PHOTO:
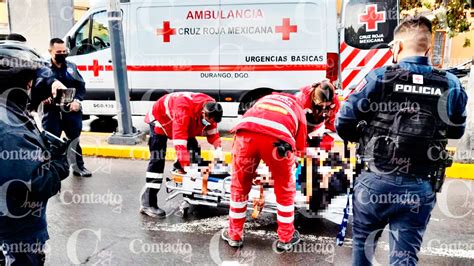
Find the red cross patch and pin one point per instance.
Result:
(371, 18)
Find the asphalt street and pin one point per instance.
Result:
(95, 221)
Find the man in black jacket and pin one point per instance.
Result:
(68, 118)
(31, 172)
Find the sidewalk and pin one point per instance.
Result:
(95, 145)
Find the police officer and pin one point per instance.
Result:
(403, 115)
(30, 173)
(68, 119)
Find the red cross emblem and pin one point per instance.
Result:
(95, 67)
(286, 29)
(166, 31)
(371, 18)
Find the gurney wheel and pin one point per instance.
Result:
(183, 213)
(183, 209)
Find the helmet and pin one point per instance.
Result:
(18, 65)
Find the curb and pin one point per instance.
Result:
(138, 153)
(458, 170)
(461, 171)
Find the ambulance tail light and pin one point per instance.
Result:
(332, 66)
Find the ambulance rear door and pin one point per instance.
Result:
(368, 27)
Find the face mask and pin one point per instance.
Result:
(60, 58)
(205, 122)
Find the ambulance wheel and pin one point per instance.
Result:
(104, 124)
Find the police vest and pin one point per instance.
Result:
(406, 133)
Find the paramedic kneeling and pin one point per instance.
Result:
(180, 116)
(402, 117)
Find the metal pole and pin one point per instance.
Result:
(126, 133)
(9, 17)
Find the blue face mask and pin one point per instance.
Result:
(205, 122)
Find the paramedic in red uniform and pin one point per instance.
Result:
(273, 130)
(181, 117)
(320, 104)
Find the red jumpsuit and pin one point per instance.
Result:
(274, 117)
(305, 98)
(178, 116)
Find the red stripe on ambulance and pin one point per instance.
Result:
(208, 68)
(357, 63)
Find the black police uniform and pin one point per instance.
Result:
(57, 119)
(402, 117)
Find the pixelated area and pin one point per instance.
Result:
(325, 172)
(323, 176)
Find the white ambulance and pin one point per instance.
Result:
(235, 51)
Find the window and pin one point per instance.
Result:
(92, 36)
(100, 31)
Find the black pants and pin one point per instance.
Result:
(56, 121)
(156, 166)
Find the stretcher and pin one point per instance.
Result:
(319, 177)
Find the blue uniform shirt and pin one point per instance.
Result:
(355, 109)
(71, 78)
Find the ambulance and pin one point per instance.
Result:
(233, 50)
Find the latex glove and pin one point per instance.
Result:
(318, 132)
(219, 154)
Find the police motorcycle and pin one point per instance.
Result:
(321, 175)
